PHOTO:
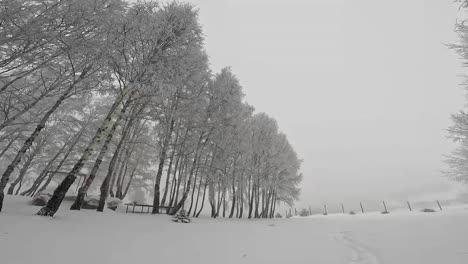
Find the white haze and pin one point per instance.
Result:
(364, 89)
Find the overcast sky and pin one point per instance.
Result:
(363, 89)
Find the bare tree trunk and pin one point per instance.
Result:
(198, 195)
(168, 176)
(162, 160)
(251, 197)
(20, 113)
(241, 196)
(179, 181)
(171, 159)
(211, 190)
(224, 204)
(39, 180)
(117, 171)
(28, 143)
(128, 153)
(129, 181)
(10, 143)
(257, 199)
(233, 205)
(79, 201)
(194, 186)
(54, 203)
(24, 169)
(203, 200)
(174, 182)
(190, 176)
(110, 171)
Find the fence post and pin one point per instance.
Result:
(362, 208)
(439, 205)
(326, 211)
(342, 208)
(409, 206)
(385, 207)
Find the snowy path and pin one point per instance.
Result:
(360, 254)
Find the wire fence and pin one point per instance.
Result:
(363, 208)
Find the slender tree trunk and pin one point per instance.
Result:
(54, 203)
(10, 143)
(198, 196)
(117, 170)
(162, 160)
(250, 197)
(28, 143)
(24, 169)
(168, 176)
(128, 154)
(20, 113)
(179, 181)
(240, 195)
(110, 171)
(38, 181)
(79, 201)
(203, 200)
(171, 159)
(129, 181)
(211, 190)
(15, 133)
(190, 176)
(194, 186)
(224, 204)
(174, 182)
(233, 205)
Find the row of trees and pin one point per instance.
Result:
(101, 95)
(458, 131)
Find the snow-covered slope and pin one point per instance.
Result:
(91, 237)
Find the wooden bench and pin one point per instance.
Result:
(145, 208)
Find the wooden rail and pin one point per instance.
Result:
(162, 209)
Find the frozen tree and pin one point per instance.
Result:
(119, 98)
(458, 132)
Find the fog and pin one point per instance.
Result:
(363, 89)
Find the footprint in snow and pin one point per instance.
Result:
(359, 253)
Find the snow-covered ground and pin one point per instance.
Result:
(91, 237)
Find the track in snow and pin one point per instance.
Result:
(359, 253)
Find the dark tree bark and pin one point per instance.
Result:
(129, 181)
(39, 180)
(162, 160)
(174, 181)
(18, 135)
(54, 202)
(171, 159)
(28, 143)
(190, 176)
(110, 171)
(195, 185)
(203, 200)
(79, 201)
(24, 169)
